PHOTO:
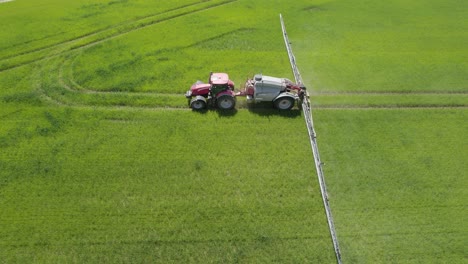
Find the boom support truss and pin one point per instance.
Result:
(307, 110)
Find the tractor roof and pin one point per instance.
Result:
(219, 78)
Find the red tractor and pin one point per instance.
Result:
(219, 91)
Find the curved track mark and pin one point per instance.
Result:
(378, 93)
(67, 82)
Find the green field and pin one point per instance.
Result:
(397, 183)
(136, 186)
(102, 161)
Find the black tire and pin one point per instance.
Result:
(197, 104)
(284, 103)
(226, 102)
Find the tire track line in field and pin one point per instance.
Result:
(193, 241)
(73, 45)
(389, 93)
(396, 99)
(69, 84)
(67, 81)
(389, 107)
(72, 86)
(46, 97)
(11, 113)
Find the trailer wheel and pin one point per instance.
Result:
(284, 103)
(196, 104)
(226, 102)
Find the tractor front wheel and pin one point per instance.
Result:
(226, 102)
(196, 104)
(284, 103)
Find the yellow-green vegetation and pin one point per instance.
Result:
(391, 46)
(157, 186)
(397, 183)
(102, 161)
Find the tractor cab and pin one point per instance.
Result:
(217, 83)
(218, 91)
(220, 82)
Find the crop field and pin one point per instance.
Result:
(102, 161)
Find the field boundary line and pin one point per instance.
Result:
(383, 107)
(377, 93)
(313, 143)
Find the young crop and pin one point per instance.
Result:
(395, 180)
(102, 161)
(132, 178)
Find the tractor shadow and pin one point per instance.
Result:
(226, 113)
(266, 109)
(221, 113)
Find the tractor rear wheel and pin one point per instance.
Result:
(197, 104)
(226, 102)
(284, 103)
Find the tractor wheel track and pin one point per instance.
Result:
(70, 84)
(73, 86)
(378, 93)
(67, 82)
